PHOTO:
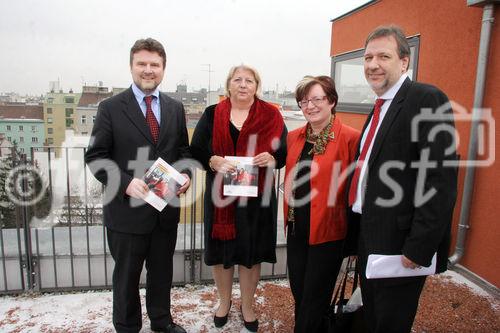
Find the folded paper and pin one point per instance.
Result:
(390, 266)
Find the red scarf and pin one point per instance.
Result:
(265, 121)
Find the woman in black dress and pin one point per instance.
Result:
(242, 232)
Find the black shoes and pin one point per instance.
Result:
(221, 321)
(170, 328)
(252, 326)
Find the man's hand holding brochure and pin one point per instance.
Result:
(163, 182)
(390, 266)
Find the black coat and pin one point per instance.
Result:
(408, 227)
(120, 131)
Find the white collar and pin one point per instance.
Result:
(392, 91)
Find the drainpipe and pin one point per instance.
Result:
(484, 45)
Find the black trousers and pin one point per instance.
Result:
(389, 305)
(312, 271)
(129, 252)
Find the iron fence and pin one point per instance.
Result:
(60, 244)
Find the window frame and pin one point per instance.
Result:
(69, 100)
(366, 108)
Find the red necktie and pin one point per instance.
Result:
(359, 164)
(151, 119)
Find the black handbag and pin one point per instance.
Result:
(337, 319)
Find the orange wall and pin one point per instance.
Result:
(449, 42)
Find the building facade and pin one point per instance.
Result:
(194, 102)
(22, 126)
(59, 115)
(87, 108)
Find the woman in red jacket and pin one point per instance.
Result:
(315, 202)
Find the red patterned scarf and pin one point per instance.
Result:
(265, 121)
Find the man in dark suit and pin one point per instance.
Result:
(131, 130)
(402, 192)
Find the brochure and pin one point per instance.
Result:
(243, 180)
(163, 181)
(390, 266)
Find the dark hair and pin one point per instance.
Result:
(394, 31)
(326, 83)
(148, 44)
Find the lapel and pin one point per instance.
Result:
(297, 144)
(390, 116)
(166, 117)
(135, 115)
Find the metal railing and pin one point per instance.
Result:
(60, 244)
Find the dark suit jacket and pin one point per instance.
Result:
(120, 130)
(407, 227)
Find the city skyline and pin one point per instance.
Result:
(84, 42)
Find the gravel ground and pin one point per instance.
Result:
(446, 305)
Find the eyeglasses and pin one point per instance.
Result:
(317, 101)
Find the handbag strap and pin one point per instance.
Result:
(337, 299)
(356, 276)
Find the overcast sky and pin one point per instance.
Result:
(88, 41)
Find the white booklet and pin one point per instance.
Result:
(163, 181)
(244, 180)
(390, 266)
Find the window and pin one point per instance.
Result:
(50, 130)
(84, 119)
(85, 133)
(49, 110)
(355, 95)
(50, 100)
(184, 99)
(50, 141)
(33, 128)
(34, 139)
(9, 139)
(69, 122)
(21, 150)
(8, 128)
(69, 112)
(69, 100)
(49, 120)
(194, 99)
(21, 128)
(21, 139)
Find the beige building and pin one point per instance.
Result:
(59, 115)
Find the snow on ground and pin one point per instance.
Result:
(193, 307)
